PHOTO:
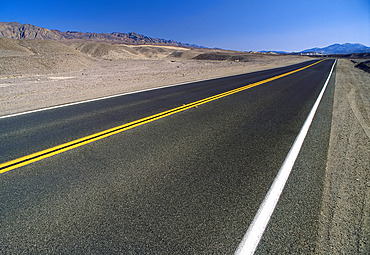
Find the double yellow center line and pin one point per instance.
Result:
(7, 166)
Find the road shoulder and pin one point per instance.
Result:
(344, 218)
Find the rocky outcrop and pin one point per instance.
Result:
(27, 31)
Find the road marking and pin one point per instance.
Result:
(102, 98)
(16, 163)
(255, 231)
(86, 101)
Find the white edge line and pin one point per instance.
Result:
(112, 96)
(255, 231)
(117, 95)
(98, 99)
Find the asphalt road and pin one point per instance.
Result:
(189, 183)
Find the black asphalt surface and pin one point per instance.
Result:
(294, 224)
(186, 184)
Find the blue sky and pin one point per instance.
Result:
(289, 25)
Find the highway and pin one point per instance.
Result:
(177, 170)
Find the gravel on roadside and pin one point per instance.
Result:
(344, 220)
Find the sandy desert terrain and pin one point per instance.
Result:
(37, 74)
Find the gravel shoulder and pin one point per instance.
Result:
(344, 220)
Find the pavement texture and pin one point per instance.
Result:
(186, 184)
(293, 228)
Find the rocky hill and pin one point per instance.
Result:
(27, 31)
(346, 48)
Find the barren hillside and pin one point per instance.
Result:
(21, 57)
(41, 73)
(37, 57)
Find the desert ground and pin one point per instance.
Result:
(35, 74)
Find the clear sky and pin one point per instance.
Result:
(288, 25)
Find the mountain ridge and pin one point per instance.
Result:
(17, 30)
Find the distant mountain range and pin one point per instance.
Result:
(334, 49)
(346, 48)
(27, 31)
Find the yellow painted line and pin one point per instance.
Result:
(16, 163)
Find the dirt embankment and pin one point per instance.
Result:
(345, 221)
(363, 65)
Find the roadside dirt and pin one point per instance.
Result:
(345, 225)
